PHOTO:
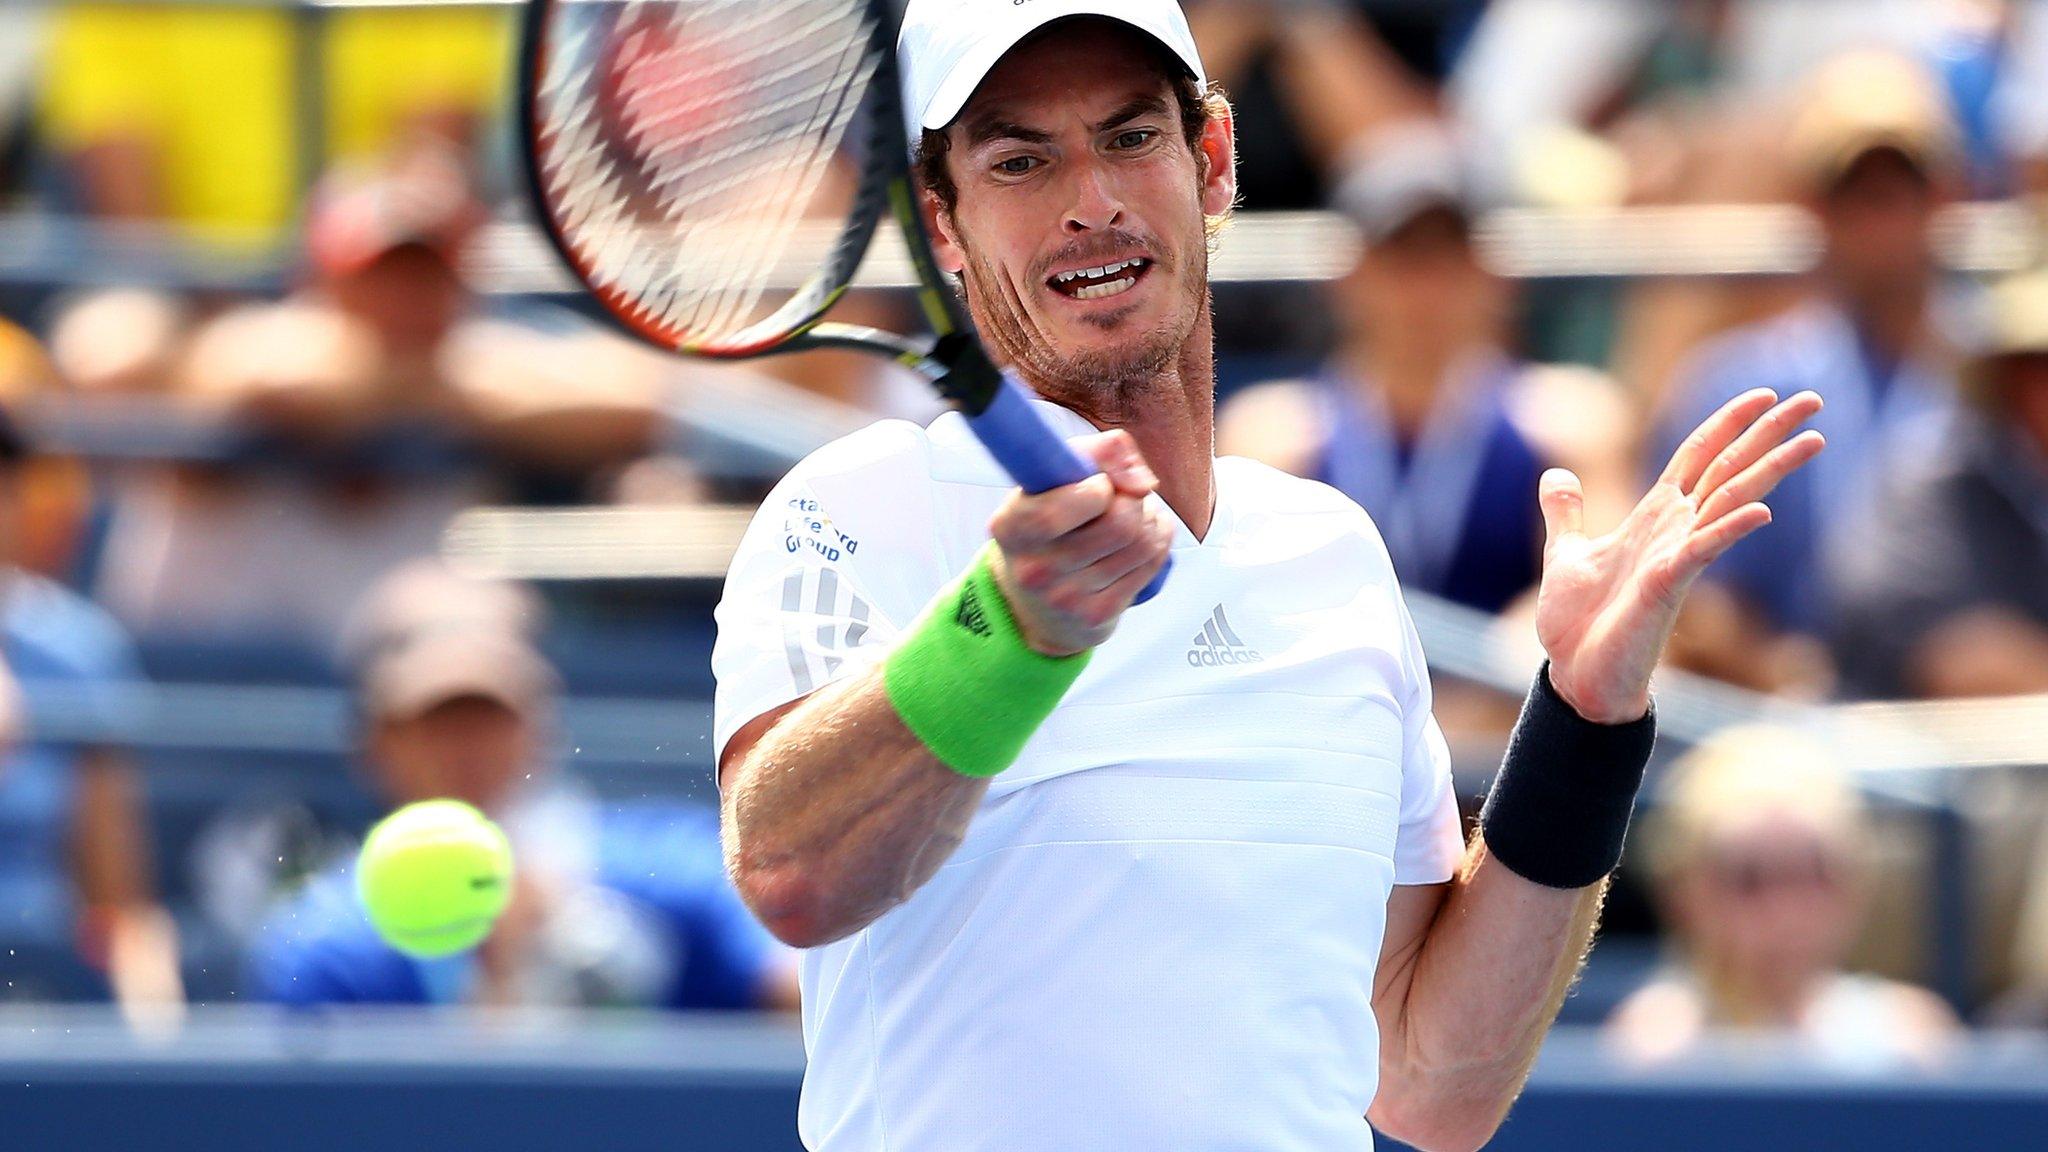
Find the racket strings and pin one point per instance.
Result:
(684, 142)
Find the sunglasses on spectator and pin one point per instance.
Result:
(1753, 874)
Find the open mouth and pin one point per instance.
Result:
(1113, 279)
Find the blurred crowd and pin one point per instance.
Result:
(193, 461)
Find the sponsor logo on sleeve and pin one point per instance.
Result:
(806, 526)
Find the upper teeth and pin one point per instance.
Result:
(1105, 270)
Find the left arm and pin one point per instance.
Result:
(108, 853)
(1470, 978)
(1472, 972)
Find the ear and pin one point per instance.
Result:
(938, 225)
(1219, 150)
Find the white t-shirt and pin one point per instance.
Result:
(1161, 929)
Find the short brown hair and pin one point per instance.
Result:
(1199, 104)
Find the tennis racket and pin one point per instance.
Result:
(679, 151)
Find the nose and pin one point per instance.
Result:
(1096, 205)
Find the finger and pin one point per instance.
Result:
(1706, 545)
(1118, 596)
(1757, 481)
(1563, 500)
(1122, 524)
(1759, 439)
(1152, 544)
(1714, 434)
(1027, 523)
(1116, 453)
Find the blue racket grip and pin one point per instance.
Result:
(1036, 458)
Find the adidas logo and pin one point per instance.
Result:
(968, 613)
(1217, 644)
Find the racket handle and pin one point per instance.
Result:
(1035, 456)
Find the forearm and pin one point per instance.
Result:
(1986, 652)
(1482, 989)
(839, 813)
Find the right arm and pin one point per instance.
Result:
(834, 811)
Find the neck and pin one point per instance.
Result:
(1172, 417)
(1407, 377)
(1891, 319)
(1752, 999)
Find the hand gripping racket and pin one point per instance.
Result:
(679, 151)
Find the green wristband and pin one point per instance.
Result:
(967, 684)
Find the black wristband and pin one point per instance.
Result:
(1559, 808)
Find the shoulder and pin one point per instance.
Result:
(1281, 422)
(1280, 515)
(886, 452)
(1294, 501)
(71, 633)
(1772, 348)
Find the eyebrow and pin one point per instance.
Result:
(985, 129)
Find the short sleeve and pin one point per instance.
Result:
(71, 655)
(1430, 841)
(837, 561)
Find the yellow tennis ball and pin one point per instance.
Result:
(434, 876)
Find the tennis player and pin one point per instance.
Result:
(1190, 875)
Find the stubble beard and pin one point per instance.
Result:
(1103, 384)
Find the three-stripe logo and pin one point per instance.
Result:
(1216, 644)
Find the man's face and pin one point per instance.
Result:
(1071, 157)
(409, 295)
(471, 748)
(1878, 222)
(1774, 901)
(2023, 380)
(1424, 285)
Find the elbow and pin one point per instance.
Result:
(794, 907)
(1436, 1133)
(1436, 1123)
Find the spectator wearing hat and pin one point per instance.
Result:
(371, 406)
(1423, 415)
(1874, 149)
(630, 907)
(1944, 591)
(1755, 853)
(75, 873)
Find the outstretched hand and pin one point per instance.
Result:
(1606, 605)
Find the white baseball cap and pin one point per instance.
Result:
(946, 47)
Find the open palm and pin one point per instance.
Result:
(1607, 604)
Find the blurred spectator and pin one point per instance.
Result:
(1756, 855)
(75, 874)
(1944, 590)
(381, 401)
(1876, 155)
(2025, 1004)
(20, 34)
(1308, 78)
(1545, 86)
(193, 113)
(628, 908)
(1423, 415)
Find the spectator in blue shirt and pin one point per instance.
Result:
(629, 907)
(1874, 146)
(1423, 415)
(75, 870)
